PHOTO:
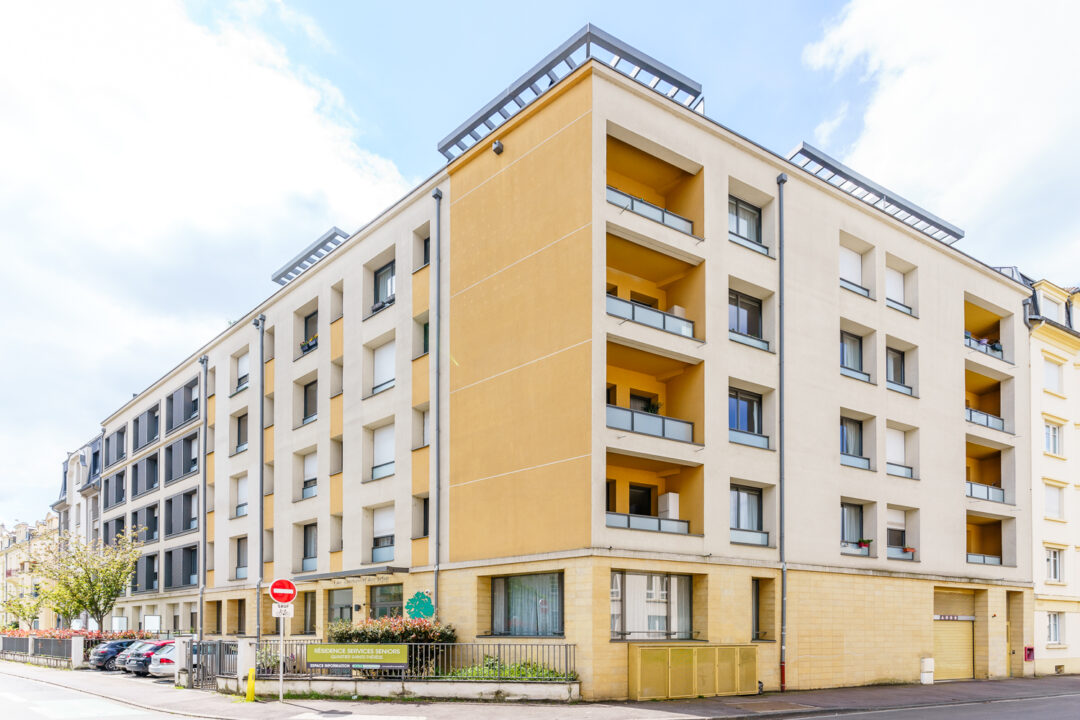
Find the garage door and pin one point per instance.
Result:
(954, 650)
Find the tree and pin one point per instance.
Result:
(60, 600)
(89, 576)
(26, 607)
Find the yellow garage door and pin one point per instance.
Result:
(954, 650)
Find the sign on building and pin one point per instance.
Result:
(359, 656)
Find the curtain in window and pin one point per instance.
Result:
(310, 540)
(532, 605)
(651, 606)
(850, 522)
(894, 366)
(851, 437)
(851, 351)
(745, 509)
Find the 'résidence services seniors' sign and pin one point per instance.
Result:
(359, 656)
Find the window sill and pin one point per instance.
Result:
(1054, 393)
(1049, 454)
(762, 640)
(306, 421)
(178, 479)
(1057, 583)
(371, 479)
(1056, 646)
(239, 451)
(421, 355)
(144, 492)
(750, 245)
(420, 537)
(1054, 519)
(857, 375)
(239, 390)
(305, 353)
(376, 312)
(421, 268)
(749, 341)
(181, 426)
(182, 532)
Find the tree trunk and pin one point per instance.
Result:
(100, 620)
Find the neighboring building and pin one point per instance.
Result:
(16, 551)
(77, 507)
(1055, 473)
(594, 271)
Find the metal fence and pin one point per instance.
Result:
(227, 658)
(15, 644)
(52, 647)
(490, 662)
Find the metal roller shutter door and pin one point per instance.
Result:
(954, 650)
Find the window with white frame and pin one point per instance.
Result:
(1051, 376)
(243, 370)
(382, 452)
(382, 374)
(650, 606)
(382, 534)
(1054, 564)
(1054, 633)
(241, 507)
(896, 451)
(1052, 438)
(1053, 503)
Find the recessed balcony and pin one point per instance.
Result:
(652, 495)
(654, 395)
(983, 473)
(646, 209)
(654, 289)
(983, 540)
(655, 188)
(647, 522)
(982, 397)
(982, 330)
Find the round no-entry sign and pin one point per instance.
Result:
(282, 591)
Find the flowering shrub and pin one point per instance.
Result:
(92, 636)
(391, 629)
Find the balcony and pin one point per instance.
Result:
(899, 470)
(985, 492)
(985, 419)
(850, 548)
(749, 537)
(898, 553)
(979, 559)
(647, 522)
(982, 330)
(648, 423)
(855, 461)
(984, 542)
(983, 400)
(649, 316)
(742, 437)
(668, 191)
(984, 345)
(648, 210)
(854, 287)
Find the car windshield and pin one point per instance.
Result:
(165, 651)
(137, 646)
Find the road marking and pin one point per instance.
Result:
(11, 697)
(83, 708)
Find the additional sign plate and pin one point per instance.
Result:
(954, 617)
(282, 591)
(282, 610)
(359, 656)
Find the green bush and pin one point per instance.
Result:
(393, 629)
(492, 668)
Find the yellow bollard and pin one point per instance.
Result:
(251, 685)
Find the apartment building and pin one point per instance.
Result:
(17, 546)
(1055, 378)
(77, 508)
(505, 394)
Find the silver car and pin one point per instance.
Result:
(163, 662)
(121, 659)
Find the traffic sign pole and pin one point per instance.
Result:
(282, 591)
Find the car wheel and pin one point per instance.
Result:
(110, 664)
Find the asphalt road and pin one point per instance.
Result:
(29, 700)
(1053, 708)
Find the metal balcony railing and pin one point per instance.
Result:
(985, 419)
(749, 537)
(851, 548)
(750, 340)
(384, 553)
(649, 424)
(979, 559)
(309, 563)
(897, 305)
(898, 553)
(647, 522)
(855, 461)
(899, 470)
(854, 373)
(652, 317)
(989, 347)
(648, 210)
(854, 287)
(985, 492)
(899, 387)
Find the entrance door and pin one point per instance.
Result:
(954, 649)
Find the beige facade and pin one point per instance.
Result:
(584, 459)
(17, 547)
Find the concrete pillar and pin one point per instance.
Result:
(77, 661)
(245, 661)
(182, 673)
(30, 645)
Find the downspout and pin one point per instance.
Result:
(781, 179)
(437, 404)
(260, 322)
(202, 493)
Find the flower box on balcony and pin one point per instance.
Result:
(864, 543)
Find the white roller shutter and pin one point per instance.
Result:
(851, 265)
(241, 490)
(894, 446)
(383, 365)
(896, 519)
(243, 365)
(383, 442)
(311, 466)
(382, 521)
(894, 285)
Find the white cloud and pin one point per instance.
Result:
(154, 172)
(824, 131)
(973, 114)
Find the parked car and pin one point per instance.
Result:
(122, 658)
(103, 657)
(163, 662)
(138, 662)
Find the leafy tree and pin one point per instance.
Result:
(61, 601)
(26, 607)
(89, 576)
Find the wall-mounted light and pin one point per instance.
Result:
(497, 146)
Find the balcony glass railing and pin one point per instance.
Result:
(853, 373)
(647, 522)
(897, 305)
(748, 339)
(899, 470)
(382, 470)
(854, 287)
(899, 387)
(241, 573)
(855, 461)
(749, 537)
(308, 564)
(647, 209)
(898, 553)
(985, 419)
(241, 510)
(850, 548)
(748, 438)
(748, 243)
(979, 559)
(983, 345)
(382, 554)
(985, 492)
(649, 424)
(645, 315)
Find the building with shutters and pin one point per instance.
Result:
(506, 394)
(17, 547)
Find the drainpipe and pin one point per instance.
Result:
(202, 493)
(781, 179)
(260, 322)
(437, 404)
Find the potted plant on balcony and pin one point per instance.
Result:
(864, 542)
(653, 408)
(909, 550)
(310, 344)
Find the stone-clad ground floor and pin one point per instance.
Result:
(845, 628)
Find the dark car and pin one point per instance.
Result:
(138, 661)
(103, 657)
(122, 658)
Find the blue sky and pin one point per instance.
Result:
(161, 158)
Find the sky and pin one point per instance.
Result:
(160, 159)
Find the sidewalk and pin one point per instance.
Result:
(162, 696)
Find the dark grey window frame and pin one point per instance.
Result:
(620, 635)
(562, 604)
(741, 396)
(388, 605)
(378, 303)
(760, 519)
(312, 413)
(742, 204)
(741, 301)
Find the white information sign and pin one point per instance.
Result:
(282, 610)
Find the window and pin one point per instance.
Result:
(896, 533)
(310, 483)
(641, 500)
(894, 285)
(311, 547)
(1053, 564)
(311, 402)
(1053, 508)
(744, 221)
(896, 452)
(744, 314)
(1052, 438)
(382, 541)
(1053, 628)
(340, 603)
(386, 600)
(426, 344)
(243, 369)
(241, 432)
(382, 373)
(745, 508)
(241, 558)
(744, 411)
(382, 455)
(527, 605)
(851, 437)
(851, 523)
(384, 286)
(1052, 376)
(755, 609)
(894, 366)
(649, 606)
(424, 519)
(309, 613)
(427, 427)
(311, 332)
(851, 356)
(427, 250)
(897, 537)
(851, 267)
(241, 508)
(1051, 309)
